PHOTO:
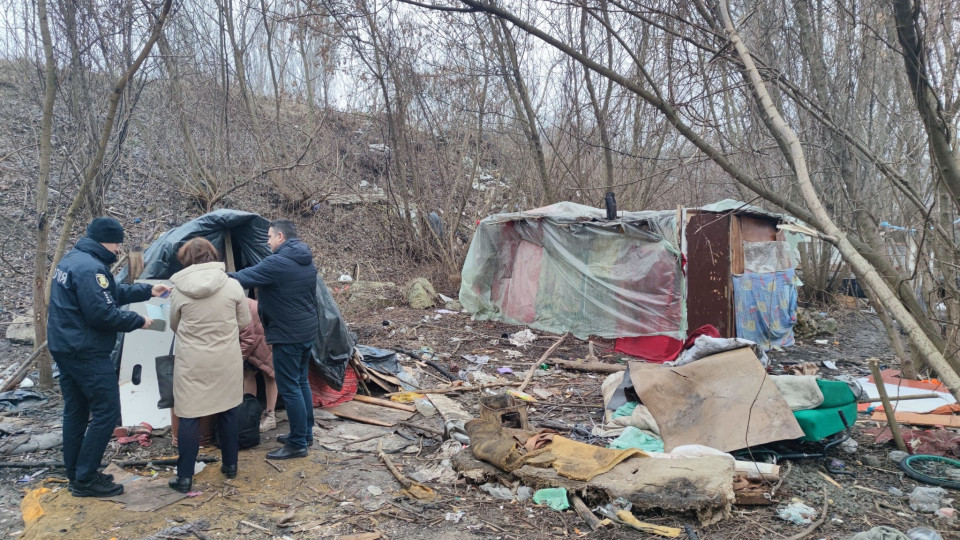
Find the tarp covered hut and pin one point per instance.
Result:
(241, 238)
(567, 268)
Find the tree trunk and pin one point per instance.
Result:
(43, 191)
(885, 295)
(90, 172)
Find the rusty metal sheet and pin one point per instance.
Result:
(709, 288)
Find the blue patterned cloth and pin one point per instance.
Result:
(766, 307)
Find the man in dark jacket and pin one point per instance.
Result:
(287, 281)
(82, 327)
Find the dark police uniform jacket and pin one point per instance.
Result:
(287, 281)
(85, 301)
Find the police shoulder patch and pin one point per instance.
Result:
(102, 281)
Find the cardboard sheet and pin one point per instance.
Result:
(142, 494)
(897, 387)
(725, 401)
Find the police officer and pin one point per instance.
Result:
(82, 327)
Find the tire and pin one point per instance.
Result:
(931, 470)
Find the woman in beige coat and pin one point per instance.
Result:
(207, 311)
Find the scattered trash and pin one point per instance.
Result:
(498, 491)
(504, 370)
(636, 438)
(880, 533)
(15, 400)
(896, 492)
(344, 278)
(454, 517)
(555, 498)
(454, 429)
(830, 365)
(923, 533)
(479, 359)
(928, 499)
(798, 513)
(424, 407)
(406, 397)
(376, 491)
(512, 354)
(849, 446)
(522, 396)
(627, 517)
(522, 338)
(441, 473)
(29, 477)
(822, 341)
(947, 512)
(26, 383)
(478, 378)
(897, 456)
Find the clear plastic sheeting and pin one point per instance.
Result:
(565, 268)
(767, 257)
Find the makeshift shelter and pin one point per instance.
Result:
(241, 239)
(652, 274)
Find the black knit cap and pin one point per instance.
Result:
(105, 230)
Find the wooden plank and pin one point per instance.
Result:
(584, 512)
(448, 408)
(369, 414)
(385, 403)
(135, 264)
(228, 252)
(918, 419)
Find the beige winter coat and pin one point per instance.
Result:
(207, 311)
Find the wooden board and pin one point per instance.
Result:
(448, 408)
(141, 493)
(369, 414)
(918, 419)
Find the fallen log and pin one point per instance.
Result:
(594, 367)
(24, 368)
(411, 487)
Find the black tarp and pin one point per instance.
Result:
(248, 233)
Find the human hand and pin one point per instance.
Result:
(147, 322)
(161, 290)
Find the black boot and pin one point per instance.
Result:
(98, 487)
(230, 471)
(282, 439)
(287, 452)
(182, 485)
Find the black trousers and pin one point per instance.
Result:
(188, 441)
(91, 407)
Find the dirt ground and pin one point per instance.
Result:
(344, 489)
